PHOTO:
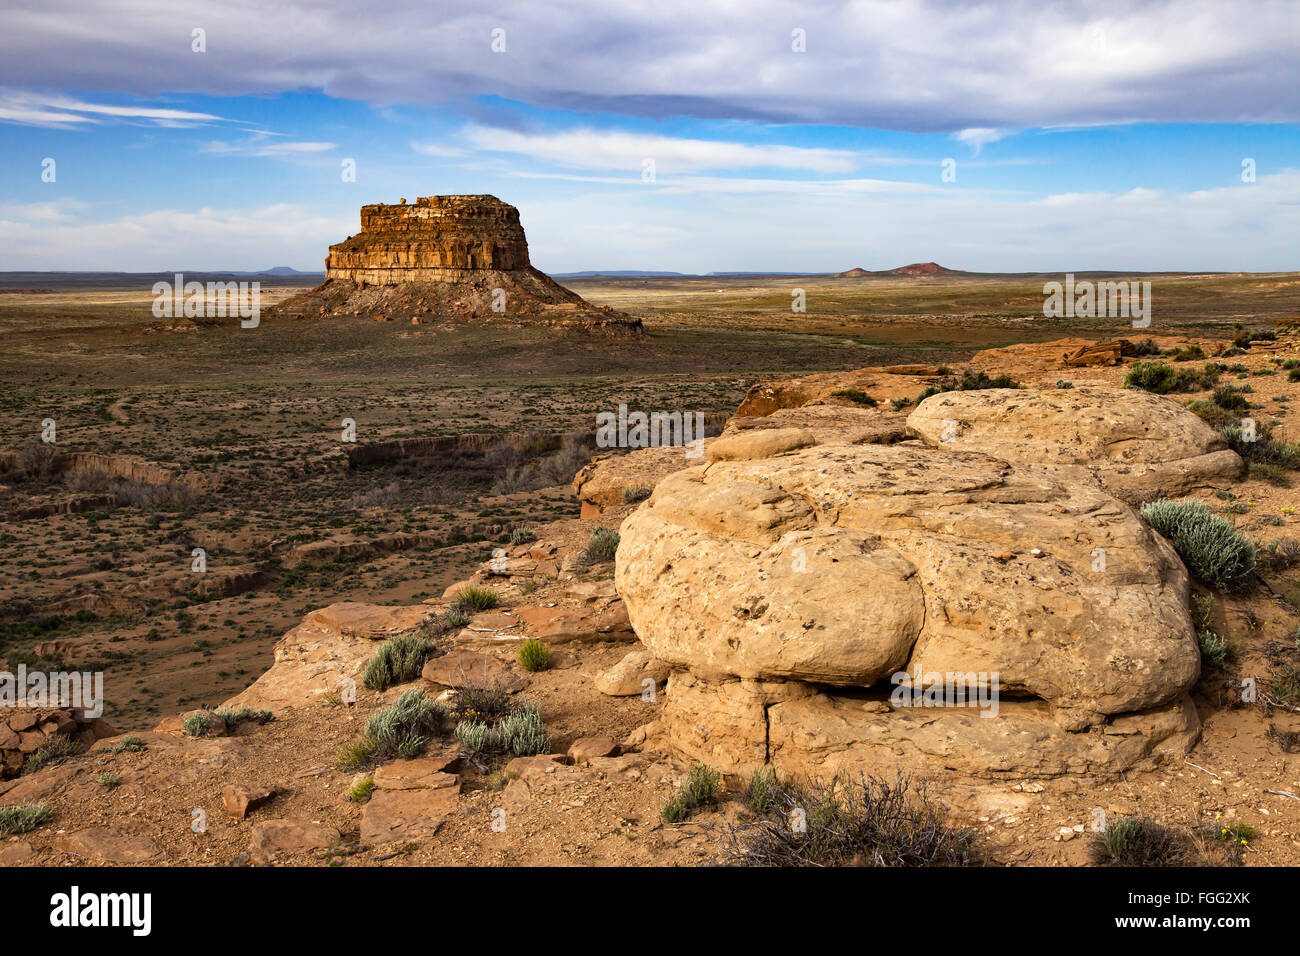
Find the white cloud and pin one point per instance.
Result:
(928, 66)
(612, 149)
(977, 137)
(257, 146)
(33, 109)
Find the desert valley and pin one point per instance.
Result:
(367, 584)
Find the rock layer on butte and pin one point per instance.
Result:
(447, 257)
(788, 582)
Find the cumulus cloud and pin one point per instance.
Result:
(928, 66)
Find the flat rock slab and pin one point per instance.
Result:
(400, 815)
(419, 774)
(554, 625)
(19, 851)
(273, 839)
(37, 786)
(105, 845)
(588, 748)
(469, 669)
(371, 621)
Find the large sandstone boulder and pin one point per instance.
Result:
(761, 579)
(1128, 440)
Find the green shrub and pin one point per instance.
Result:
(1136, 841)
(699, 789)
(1188, 353)
(534, 655)
(1233, 399)
(1146, 347)
(1278, 555)
(1213, 550)
(475, 598)
(109, 780)
(407, 725)
(1216, 651)
(969, 381)
(864, 822)
(360, 791)
(522, 535)
(130, 744)
(1238, 833)
(524, 733)
(454, 618)
(397, 661)
(234, 716)
(900, 403)
(1212, 414)
(601, 546)
(1264, 448)
(1161, 378)
(674, 809)
(196, 724)
(1062, 383)
(483, 702)
(857, 396)
(56, 748)
(22, 818)
(356, 754)
(1293, 375)
(1202, 611)
(638, 493)
(760, 795)
(520, 733)
(1151, 377)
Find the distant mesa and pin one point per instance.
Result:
(446, 258)
(915, 269)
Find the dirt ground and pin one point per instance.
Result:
(251, 420)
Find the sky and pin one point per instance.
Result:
(695, 137)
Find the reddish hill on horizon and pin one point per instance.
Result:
(915, 269)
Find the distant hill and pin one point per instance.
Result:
(915, 269)
(285, 271)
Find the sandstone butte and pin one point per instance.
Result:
(445, 258)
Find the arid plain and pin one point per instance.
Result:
(229, 440)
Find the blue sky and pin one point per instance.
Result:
(1091, 137)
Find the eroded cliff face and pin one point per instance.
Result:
(447, 258)
(436, 239)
